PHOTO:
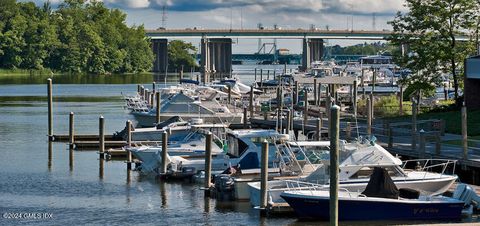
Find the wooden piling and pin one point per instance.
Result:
(268, 74)
(71, 131)
(369, 116)
(245, 120)
(372, 106)
(101, 136)
(158, 104)
(464, 131)
(295, 93)
(50, 108)
(146, 96)
(422, 144)
(264, 176)
(400, 101)
(152, 98)
(138, 88)
(255, 75)
(334, 152)
(319, 94)
(305, 111)
(292, 115)
(318, 129)
(208, 163)
(261, 78)
(129, 144)
(355, 99)
(154, 88)
(288, 121)
(251, 102)
(414, 124)
(229, 88)
(164, 152)
(279, 120)
(315, 100)
(362, 82)
(348, 131)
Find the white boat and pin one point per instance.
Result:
(356, 164)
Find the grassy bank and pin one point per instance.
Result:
(452, 120)
(4, 72)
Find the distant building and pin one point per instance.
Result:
(283, 51)
(472, 82)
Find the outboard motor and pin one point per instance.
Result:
(224, 186)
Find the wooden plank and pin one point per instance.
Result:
(81, 137)
(95, 144)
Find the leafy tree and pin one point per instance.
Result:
(429, 29)
(180, 54)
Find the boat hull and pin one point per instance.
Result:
(146, 119)
(371, 209)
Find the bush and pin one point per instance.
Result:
(385, 106)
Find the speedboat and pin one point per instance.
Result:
(381, 200)
(356, 164)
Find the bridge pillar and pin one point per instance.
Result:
(216, 58)
(159, 48)
(312, 51)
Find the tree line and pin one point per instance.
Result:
(429, 31)
(76, 37)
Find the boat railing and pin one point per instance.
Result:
(296, 185)
(429, 165)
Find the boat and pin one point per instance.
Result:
(189, 142)
(381, 200)
(356, 164)
(204, 106)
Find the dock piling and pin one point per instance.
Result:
(208, 163)
(101, 136)
(229, 88)
(318, 127)
(251, 102)
(158, 108)
(464, 131)
(334, 152)
(348, 131)
(71, 131)
(129, 144)
(50, 109)
(154, 88)
(315, 98)
(414, 124)
(245, 119)
(164, 151)
(264, 177)
(305, 111)
(255, 79)
(369, 116)
(400, 101)
(355, 94)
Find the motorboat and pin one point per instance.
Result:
(381, 200)
(356, 164)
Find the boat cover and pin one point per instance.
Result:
(169, 121)
(381, 185)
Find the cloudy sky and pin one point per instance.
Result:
(336, 14)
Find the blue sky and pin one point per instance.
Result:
(336, 14)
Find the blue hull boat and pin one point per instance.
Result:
(308, 205)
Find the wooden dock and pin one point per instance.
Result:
(81, 137)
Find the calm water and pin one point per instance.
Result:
(30, 183)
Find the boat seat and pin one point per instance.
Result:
(408, 193)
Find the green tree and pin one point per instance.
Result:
(429, 29)
(180, 54)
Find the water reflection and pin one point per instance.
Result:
(163, 194)
(206, 205)
(70, 158)
(100, 166)
(50, 155)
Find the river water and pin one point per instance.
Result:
(31, 181)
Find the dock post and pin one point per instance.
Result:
(138, 88)
(255, 80)
(305, 111)
(328, 105)
(414, 124)
(261, 78)
(71, 131)
(268, 74)
(264, 177)
(362, 81)
(154, 88)
(152, 98)
(318, 127)
(288, 122)
(369, 116)
(164, 151)
(438, 143)
(279, 120)
(348, 131)
(208, 162)
(101, 136)
(245, 120)
(158, 100)
(372, 106)
(464, 131)
(295, 92)
(334, 150)
(129, 144)
(229, 88)
(319, 94)
(251, 101)
(315, 99)
(292, 115)
(400, 101)
(50, 109)
(146, 96)
(422, 144)
(390, 137)
(445, 92)
(355, 94)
